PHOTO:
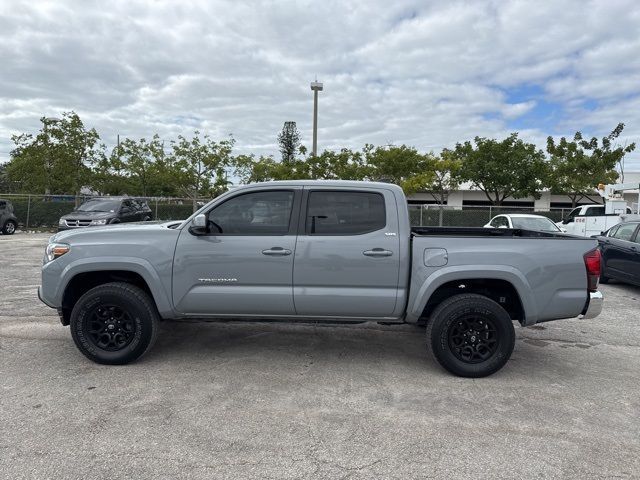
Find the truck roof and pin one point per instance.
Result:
(336, 183)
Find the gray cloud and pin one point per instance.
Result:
(423, 73)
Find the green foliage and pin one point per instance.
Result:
(345, 165)
(137, 168)
(65, 156)
(42, 212)
(289, 142)
(400, 165)
(6, 185)
(59, 159)
(501, 169)
(578, 166)
(198, 166)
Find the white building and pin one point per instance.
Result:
(467, 196)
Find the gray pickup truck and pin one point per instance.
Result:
(318, 251)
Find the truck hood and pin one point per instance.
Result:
(124, 231)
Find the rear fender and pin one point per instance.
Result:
(426, 287)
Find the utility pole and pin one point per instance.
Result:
(315, 87)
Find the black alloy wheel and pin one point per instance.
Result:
(470, 335)
(110, 327)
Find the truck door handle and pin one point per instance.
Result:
(276, 252)
(378, 252)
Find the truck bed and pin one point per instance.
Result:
(482, 232)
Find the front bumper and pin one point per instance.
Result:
(593, 306)
(48, 304)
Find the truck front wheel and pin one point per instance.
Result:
(470, 335)
(114, 323)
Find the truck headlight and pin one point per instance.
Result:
(55, 250)
(102, 221)
(62, 223)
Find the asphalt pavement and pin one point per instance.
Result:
(252, 400)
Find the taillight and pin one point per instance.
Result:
(592, 262)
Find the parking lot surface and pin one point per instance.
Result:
(251, 400)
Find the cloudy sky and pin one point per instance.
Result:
(422, 73)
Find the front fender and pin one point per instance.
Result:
(132, 264)
(424, 287)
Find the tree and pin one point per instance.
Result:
(6, 185)
(578, 166)
(343, 165)
(400, 165)
(442, 176)
(140, 161)
(199, 165)
(58, 159)
(501, 169)
(289, 141)
(109, 176)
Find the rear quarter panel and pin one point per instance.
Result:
(548, 273)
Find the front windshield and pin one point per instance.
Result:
(532, 223)
(99, 206)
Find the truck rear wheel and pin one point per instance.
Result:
(470, 335)
(114, 323)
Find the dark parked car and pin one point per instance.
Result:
(620, 248)
(8, 221)
(106, 211)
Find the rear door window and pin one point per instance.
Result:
(344, 213)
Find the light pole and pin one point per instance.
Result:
(315, 87)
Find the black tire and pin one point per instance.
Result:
(482, 329)
(114, 324)
(9, 227)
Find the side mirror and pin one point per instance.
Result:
(566, 221)
(199, 224)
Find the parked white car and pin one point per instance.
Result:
(524, 221)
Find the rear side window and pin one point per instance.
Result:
(344, 213)
(3, 205)
(625, 232)
(500, 222)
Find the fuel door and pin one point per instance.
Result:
(435, 257)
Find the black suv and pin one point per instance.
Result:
(106, 211)
(8, 221)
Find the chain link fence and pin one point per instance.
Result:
(470, 216)
(44, 211)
